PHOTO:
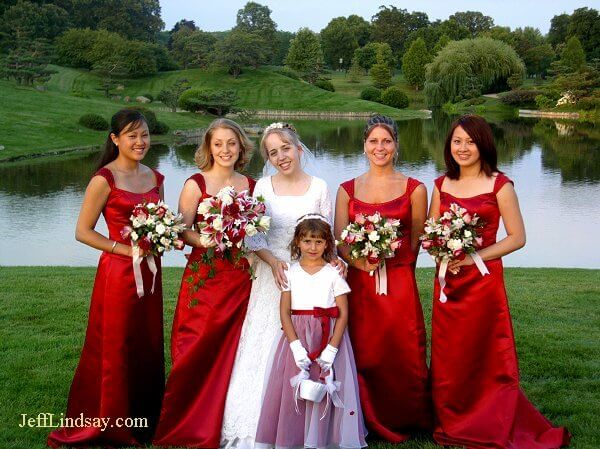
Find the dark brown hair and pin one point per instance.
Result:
(203, 156)
(384, 122)
(122, 121)
(481, 133)
(314, 227)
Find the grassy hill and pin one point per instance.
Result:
(34, 122)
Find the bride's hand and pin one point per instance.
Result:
(278, 267)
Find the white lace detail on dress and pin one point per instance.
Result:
(261, 325)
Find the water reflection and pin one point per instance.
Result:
(556, 166)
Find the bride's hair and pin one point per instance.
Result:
(316, 228)
(285, 131)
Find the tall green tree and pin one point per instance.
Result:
(256, 19)
(380, 72)
(192, 48)
(367, 56)
(475, 21)
(28, 62)
(585, 26)
(393, 25)
(283, 39)
(338, 43)
(28, 21)
(239, 49)
(73, 48)
(572, 57)
(414, 62)
(305, 55)
(559, 26)
(360, 28)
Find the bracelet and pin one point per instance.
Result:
(112, 250)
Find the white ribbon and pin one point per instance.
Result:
(137, 269)
(444, 267)
(332, 393)
(295, 383)
(380, 279)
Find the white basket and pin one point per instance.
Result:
(312, 391)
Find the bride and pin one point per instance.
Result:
(288, 194)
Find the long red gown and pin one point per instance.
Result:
(388, 333)
(206, 331)
(121, 369)
(475, 375)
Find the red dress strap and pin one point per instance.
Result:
(348, 186)
(106, 174)
(501, 179)
(160, 178)
(251, 184)
(411, 185)
(199, 179)
(439, 181)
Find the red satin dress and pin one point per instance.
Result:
(206, 331)
(121, 369)
(475, 375)
(388, 333)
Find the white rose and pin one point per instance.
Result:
(203, 208)
(136, 223)
(206, 241)
(165, 241)
(150, 220)
(265, 222)
(373, 236)
(150, 205)
(251, 230)
(160, 229)
(226, 195)
(468, 234)
(458, 223)
(218, 224)
(134, 236)
(344, 234)
(454, 244)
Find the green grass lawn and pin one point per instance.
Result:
(34, 122)
(342, 85)
(555, 313)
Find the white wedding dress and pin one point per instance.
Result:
(244, 397)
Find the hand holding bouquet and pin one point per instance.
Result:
(451, 237)
(374, 238)
(225, 219)
(154, 230)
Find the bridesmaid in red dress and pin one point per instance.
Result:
(211, 306)
(475, 375)
(387, 330)
(121, 369)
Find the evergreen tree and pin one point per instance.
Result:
(572, 57)
(355, 72)
(381, 74)
(414, 62)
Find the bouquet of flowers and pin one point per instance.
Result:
(227, 218)
(452, 236)
(375, 238)
(154, 229)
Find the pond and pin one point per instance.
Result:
(555, 166)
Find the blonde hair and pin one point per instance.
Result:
(203, 156)
(287, 133)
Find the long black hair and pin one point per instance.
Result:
(123, 120)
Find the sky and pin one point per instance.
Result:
(290, 15)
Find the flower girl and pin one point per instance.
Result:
(311, 391)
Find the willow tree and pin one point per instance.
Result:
(467, 68)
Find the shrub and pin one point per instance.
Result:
(217, 102)
(589, 103)
(543, 102)
(394, 97)
(286, 71)
(479, 109)
(475, 101)
(371, 94)
(161, 128)
(94, 121)
(325, 85)
(520, 97)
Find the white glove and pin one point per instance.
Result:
(300, 355)
(325, 360)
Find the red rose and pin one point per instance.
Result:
(145, 244)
